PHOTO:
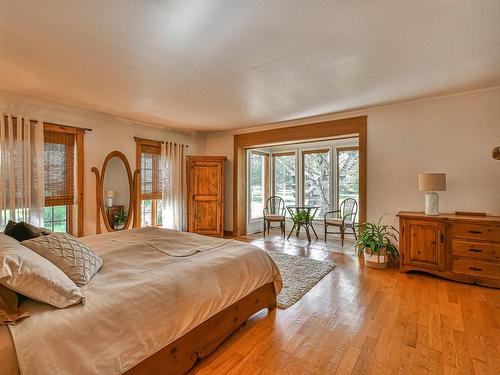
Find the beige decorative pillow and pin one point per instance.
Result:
(33, 276)
(72, 256)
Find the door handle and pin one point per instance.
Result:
(475, 231)
(442, 237)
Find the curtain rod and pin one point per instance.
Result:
(51, 123)
(155, 141)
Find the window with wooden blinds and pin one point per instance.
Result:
(148, 209)
(59, 154)
(150, 171)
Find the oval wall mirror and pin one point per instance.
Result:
(115, 192)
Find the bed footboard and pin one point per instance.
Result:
(182, 354)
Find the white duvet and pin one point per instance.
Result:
(155, 285)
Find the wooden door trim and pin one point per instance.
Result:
(355, 126)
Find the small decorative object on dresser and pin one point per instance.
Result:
(431, 183)
(375, 243)
(459, 247)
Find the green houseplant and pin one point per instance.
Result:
(375, 242)
(119, 220)
(302, 216)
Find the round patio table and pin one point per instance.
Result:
(305, 222)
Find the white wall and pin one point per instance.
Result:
(453, 134)
(108, 134)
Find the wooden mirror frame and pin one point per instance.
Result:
(132, 181)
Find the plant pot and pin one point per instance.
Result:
(376, 260)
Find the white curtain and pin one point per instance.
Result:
(173, 178)
(21, 170)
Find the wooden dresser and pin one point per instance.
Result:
(205, 186)
(458, 247)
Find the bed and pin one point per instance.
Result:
(162, 300)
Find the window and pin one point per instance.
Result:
(63, 176)
(284, 174)
(258, 183)
(316, 179)
(150, 194)
(348, 173)
(56, 218)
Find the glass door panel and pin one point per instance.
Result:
(258, 183)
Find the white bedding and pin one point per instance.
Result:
(140, 301)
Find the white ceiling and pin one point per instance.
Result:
(226, 64)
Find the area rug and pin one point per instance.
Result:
(299, 275)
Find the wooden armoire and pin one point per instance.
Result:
(205, 194)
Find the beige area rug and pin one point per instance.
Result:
(299, 275)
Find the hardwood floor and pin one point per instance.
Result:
(363, 321)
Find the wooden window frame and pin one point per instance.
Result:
(306, 132)
(79, 134)
(140, 142)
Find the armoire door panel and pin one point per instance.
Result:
(207, 218)
(206, 179)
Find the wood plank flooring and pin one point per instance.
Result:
(363, 321)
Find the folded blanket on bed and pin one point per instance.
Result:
(185, 247)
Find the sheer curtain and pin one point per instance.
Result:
(173, 177)
(21, 170)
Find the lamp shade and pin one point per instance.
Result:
(110, 194)
(432, 182)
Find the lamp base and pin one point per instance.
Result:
(432, 203)
(108, 202)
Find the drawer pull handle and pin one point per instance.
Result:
(475, 231)
(475, 269)
(474, 250)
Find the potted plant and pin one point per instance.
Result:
(375, 242)
(119, 220)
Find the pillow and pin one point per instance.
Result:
(33, 276)
(21, 231)
(73, 257)
(9, 307)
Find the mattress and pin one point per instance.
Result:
(155, 285)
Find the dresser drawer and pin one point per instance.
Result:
(476, 231)
(475, 249)
(477, 268)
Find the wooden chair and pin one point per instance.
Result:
(345, 218)
(274, 212)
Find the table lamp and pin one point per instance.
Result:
(109, 198)
(431, 183)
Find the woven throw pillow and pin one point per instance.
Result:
(33, 276)
(70, 255)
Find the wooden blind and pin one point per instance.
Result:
(150, 170)
(59, 158)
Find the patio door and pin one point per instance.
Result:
(258, 188)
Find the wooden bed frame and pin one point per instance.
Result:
(182, 354)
